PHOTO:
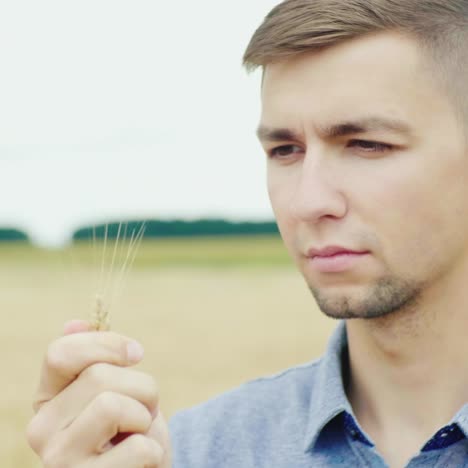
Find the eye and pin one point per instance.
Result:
(370, 146)
(284, 151)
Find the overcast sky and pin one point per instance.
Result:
(112, 109)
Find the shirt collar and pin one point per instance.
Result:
(461, 418)
(329, 399)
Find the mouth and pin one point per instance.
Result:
(335, 259)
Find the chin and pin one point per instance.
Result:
(386, 296)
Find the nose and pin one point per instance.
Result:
(317, 194)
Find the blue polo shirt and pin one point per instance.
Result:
(300, 418)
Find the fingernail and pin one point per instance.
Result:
(134, 352)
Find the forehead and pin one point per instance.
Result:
(383, 74)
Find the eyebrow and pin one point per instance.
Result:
(364, 125)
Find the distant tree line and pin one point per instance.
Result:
(176, 228)
(7, 235)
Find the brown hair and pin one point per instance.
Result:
(440, 27)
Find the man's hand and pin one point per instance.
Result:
(88, 394)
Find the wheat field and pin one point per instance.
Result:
(210, 313)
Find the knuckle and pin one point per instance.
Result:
(34, 434)
(55, 358)
(149, 452)
(96, 374)
(107, 406)
(53, 457)
(140, 446)
(152, 390)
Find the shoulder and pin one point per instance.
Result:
(259, 395)
(253, 413)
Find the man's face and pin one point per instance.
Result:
(365, 153)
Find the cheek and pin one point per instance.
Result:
(422, 223)
(411, 244)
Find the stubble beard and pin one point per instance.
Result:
(386, 296)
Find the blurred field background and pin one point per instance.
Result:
(210, 312)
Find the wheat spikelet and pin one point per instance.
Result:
(108, 289)
(100, 319)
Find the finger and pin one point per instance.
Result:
(89, 434)
(136, 451)
(106, 416)
(96, 379)
(69, 355)
(76, 326)
(159, 431)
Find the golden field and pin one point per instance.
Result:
(211, 314)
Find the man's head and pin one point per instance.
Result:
(439, 26)
(363, 119)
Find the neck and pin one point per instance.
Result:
(408, 371)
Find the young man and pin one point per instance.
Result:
(364, 123)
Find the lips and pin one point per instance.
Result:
(335, 259)
(330, 251)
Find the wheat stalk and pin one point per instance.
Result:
(100, 319)
(110, 284)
